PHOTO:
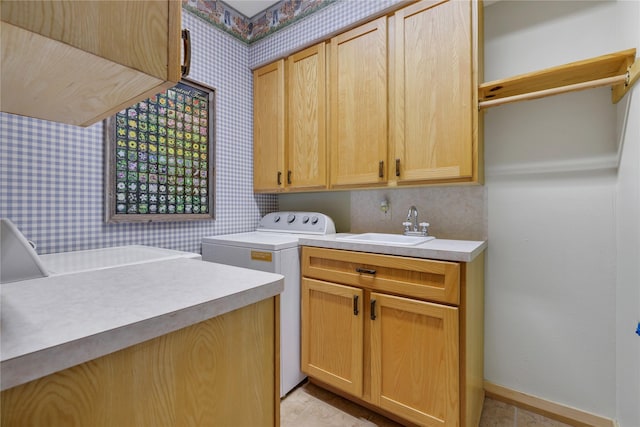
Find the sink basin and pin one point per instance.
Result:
(386, 239)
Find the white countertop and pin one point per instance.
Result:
(441, 249)
(53, 323)
(95, 259)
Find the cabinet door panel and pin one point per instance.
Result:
(268, 127)
(414, 360)
(307, 142)
(434, 92)
(332, 334)
(359, 105)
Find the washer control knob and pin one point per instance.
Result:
(305, 219)
(276, 218)
(291, 218)
(314, 220)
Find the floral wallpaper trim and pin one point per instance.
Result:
(249, 30)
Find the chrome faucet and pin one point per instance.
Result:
(412, 219)
(411, 224)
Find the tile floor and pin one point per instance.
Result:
(312, 406)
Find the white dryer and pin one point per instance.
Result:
(274, 248)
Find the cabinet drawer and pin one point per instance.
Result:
(413, 277)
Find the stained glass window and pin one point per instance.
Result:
(160, 157)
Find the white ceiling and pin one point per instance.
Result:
(250, 8)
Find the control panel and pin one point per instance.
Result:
(297, 222)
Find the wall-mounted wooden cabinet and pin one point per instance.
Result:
(401, 334)
(79, 62)
(402, 104)
(268, 127)
(289, 123)
(435, 106)
(358, 105)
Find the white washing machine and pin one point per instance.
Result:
(274, 248)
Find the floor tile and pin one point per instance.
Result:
(497, 414)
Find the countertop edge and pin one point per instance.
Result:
(429, 250)
(22, 369)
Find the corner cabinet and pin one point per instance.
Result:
(400, 335)
(358, 104)
(436, 80)
(290, 152)
(80, 62)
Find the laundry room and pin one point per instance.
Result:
(521, 242)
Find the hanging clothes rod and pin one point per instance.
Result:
(615, 80)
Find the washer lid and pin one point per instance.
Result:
(255, 240)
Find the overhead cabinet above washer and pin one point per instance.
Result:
(401, 105)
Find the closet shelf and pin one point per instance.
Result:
(619, 70)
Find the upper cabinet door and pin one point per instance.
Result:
(358, 105)
(307, 141)
(268, 127)
(435, 113)
(78, 62)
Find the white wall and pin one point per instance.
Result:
(551, 181)
(628, 252)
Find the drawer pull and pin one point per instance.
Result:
(373, 309)
(365, 270)
(355, 305)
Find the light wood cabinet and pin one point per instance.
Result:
(333, 333)
(290, 149)
(223, 371)
(79, 62)
(307, 142)
(435, 106)
(358, 105)
(268, 127)
(401, 103)
(415, 359)
(420, 325)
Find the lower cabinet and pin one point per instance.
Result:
(419, 361)
(223, 371)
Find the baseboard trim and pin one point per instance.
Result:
(555, 411)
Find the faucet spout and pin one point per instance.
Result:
(412, 217)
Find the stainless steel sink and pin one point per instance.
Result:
(386, 239)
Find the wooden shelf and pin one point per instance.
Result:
(619, 70)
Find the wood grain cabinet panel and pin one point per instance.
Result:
(307, 141)
(268, 127)
(358, 105)
(78, 62)
(332, 334)
(223, 371)
(435, 108)
(414, 359)
(422, 358)
(289, 123)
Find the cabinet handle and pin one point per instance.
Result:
(381, 169)
(355, 305)
(373, 309)
(279, 178)
(365, 270)
(288, 177)
(397, 167)
(186, 42)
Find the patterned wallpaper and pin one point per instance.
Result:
(253, 28)
(51, 183)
